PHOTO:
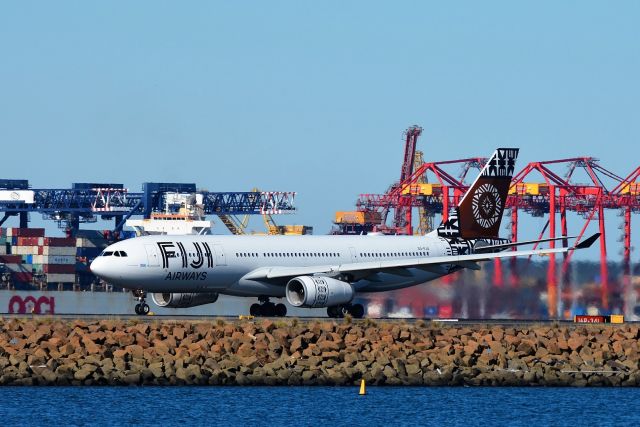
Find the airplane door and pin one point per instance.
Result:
(354, 255)
(220, 258)
(152, 256)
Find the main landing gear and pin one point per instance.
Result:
(355, 310)
(142, 308)
(267, 309)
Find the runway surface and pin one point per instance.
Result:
(169, 318)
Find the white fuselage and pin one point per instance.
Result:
(210, 263)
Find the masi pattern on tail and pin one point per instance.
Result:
(480, 211)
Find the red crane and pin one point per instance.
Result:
(558, 194)
(627, 196)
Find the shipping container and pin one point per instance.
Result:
(25, 232)
(59, 268)
(422, 189)
(92, 185)
(26, 250)
(85, 242)
(55, 259)
(14, 184)
(11, 259)
(632, 189)
(358, 217)
(61, 278)
(58, 250)
(59, 241)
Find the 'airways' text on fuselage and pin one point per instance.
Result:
(187, 275)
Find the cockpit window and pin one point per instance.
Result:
(107, 253)
(116, 253)
(123, 253)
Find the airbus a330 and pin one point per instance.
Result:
(318, 271)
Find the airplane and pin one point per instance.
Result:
(319, 271)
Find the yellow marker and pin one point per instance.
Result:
(616, 318)
(362, 388)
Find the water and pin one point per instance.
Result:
(318, 406)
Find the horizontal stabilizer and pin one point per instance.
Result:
(587, 243)
(494, 248)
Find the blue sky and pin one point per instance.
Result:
(310, 96)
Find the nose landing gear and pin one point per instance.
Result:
(142, 308)
(267, 309)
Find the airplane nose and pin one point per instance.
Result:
(97, 267)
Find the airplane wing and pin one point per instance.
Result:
(399, 267)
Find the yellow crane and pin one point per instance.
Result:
(235, 225)
(426, 217)
(238, 226)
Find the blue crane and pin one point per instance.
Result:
(85, 202)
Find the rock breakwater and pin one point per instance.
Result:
(48, 351)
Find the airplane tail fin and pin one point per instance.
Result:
(479, 213)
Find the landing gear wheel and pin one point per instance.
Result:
(357, 311)
(268, 309)
(255, 310)
(141, 308)
(280, 310)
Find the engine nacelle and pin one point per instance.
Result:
(317, 291)
(179, 300)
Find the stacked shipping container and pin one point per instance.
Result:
(26, 252)
(52, 257)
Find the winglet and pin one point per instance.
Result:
(587, 243)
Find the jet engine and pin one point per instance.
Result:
(179, 300)
(318, 291)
